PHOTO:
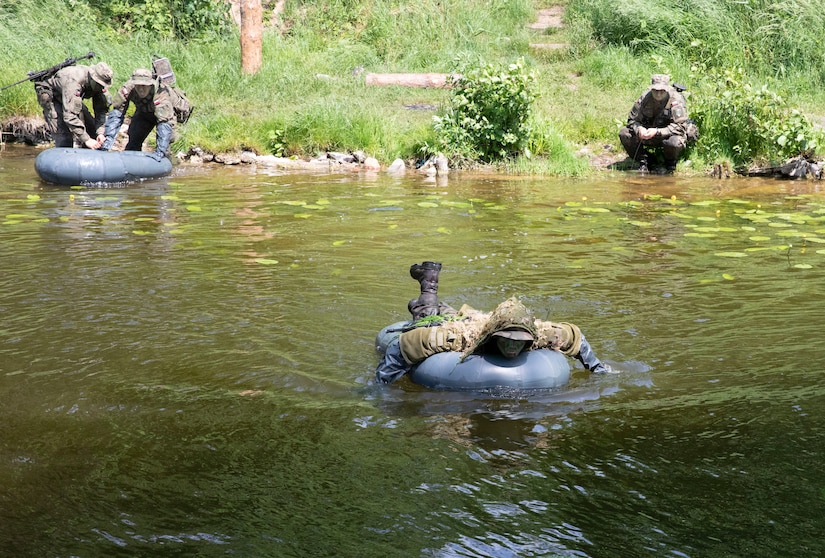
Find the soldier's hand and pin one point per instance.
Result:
(92, 143)
(646, 133)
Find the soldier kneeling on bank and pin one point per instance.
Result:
(658, 121)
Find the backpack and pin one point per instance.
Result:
(163, 69)
(183, 108)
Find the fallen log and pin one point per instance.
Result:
(797, 167)
(429, 80)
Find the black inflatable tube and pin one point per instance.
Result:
(69, 166)
(538, 369)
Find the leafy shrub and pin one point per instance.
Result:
(746, 123)
(488, 114)
(184, 19)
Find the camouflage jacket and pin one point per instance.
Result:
(471, 330)
(70, 86)
(158, 103)
(669, 116)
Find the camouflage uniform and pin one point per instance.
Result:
(669, 117)
(152, 111)
(61, 98)
(471, 331)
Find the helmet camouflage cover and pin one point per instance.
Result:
(510, 315)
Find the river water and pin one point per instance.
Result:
(186, 367)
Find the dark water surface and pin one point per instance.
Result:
(186, 367)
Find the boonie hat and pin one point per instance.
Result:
(514, 333)
(142, 76)
(102, 73)
(660, 82)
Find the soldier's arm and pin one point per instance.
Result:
(72, 101)
(634, 118)
(678, 117)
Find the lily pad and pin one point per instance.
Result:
(427, 204)
(803, 266)
(731, 254)
(266, 261)
(458, 204)
(757, 238)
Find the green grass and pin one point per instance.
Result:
(311, 87)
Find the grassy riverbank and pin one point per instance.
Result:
(310, 94)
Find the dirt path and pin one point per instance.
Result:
(548, 23)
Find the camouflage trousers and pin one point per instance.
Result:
(53, 115)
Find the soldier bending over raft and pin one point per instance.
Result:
(509, 330)
(153, 109)
(61, 98)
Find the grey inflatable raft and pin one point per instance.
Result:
(69, 166)
(538, 369)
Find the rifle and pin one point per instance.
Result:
(49, 72)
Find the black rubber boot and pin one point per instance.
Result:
(588, 358)
(427, 302)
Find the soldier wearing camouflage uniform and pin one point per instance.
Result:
(61, 98)
(658, 120)
(153, 110)
(508, 330)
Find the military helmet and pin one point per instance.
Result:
(142, 76)
(102, 74)
(515, 333)
(660, 82)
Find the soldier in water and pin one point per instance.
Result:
(508, 330)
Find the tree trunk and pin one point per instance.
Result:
(251, 36)
(411, 80)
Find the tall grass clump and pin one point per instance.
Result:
(423, 36)
(748, 124)
(551, 154)
(763, 36)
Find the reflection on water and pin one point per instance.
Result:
(186, 366)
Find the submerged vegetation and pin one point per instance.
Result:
(753, 71)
